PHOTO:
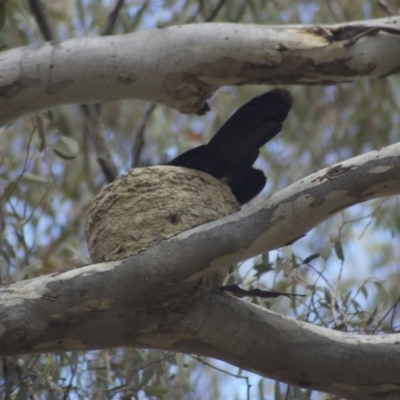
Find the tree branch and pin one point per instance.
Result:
(138, 136)
(118, 303)
(39, 12)
(164, 66)
(97, 137)
(112, 17)
(284, 349)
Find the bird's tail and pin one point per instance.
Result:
(231, 153)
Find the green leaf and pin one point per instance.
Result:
(308, 259)
(155, 391)
(287, 266)
(382, 296)
(279, 264)
(328, 296)
(42, 136)
(260, 385)
(371, 318)
(364, 291)
(326, 251)
(35, 178)
(357, 305)
(147, 375)
(294, 262)
(287, 251)
(57, 388)
(347, 297)
(66, 148)
(339, 249)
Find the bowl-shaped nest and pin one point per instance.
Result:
(148, 205)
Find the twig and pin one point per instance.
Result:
(93, 112)
(370, 31)
(112, 17)
(94, 117)
(138, 136)
(38, 10)
(152, 363)
(227, 373)
(97, 136)
(386, 7)
(212, 15)
(266, 294)
(69, 386)
(391, 309)
(216, 10)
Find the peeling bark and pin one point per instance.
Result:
(182, 66)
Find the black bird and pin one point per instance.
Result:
(232, 151)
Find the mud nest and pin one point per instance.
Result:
(147, 205)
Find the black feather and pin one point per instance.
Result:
(232, 151)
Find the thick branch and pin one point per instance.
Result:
(352, 366)
(114, 304)
(181, 66)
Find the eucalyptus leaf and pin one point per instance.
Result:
(155, 391)
(40, 129)
(35, 178)
(66, 148)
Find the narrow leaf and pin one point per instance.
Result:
(339, 249)
(66, 148)
(40, 129)
(308, 259)
(155, 391)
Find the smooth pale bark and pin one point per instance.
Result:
(114, 304)
(358, 367)
(181, 66)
